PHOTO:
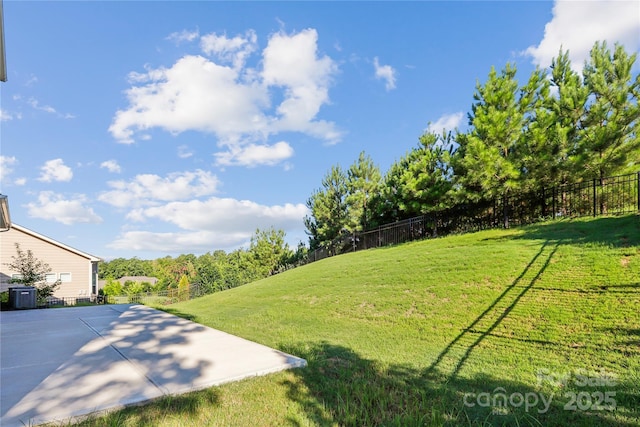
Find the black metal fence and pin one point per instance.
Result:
(608, 196)
(165, 297)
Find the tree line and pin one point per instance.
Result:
(561, 126)
(268, 253)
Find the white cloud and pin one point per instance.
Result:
(55, 170)
(292, 62)
(235, 50)
(5, 116)
(6, 169)
(224, 215)
(55, 207)
(386, 73)
(35, 104)
(148, 189)
(6, 163)
(33, 79)
(184, 152)
(111, 166)
(220, 223)
(577, 25)
(174, 243)
(253, 155)
(183, 36)
(194, 94)
(447, 122)
(234, 103)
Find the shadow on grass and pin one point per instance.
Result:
(614, 231)
(176, 312)
(184, 405)
(492, 316)
(339, 387)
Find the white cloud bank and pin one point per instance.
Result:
(216, 223)
(55, 170)
(55, 207)
(386, 73)
(577, 25)
(204, 225)
(224, 97)
(150, 189)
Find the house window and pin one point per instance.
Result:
(65, 277)
(51, 277)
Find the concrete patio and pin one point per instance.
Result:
(57, 364)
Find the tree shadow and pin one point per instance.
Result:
(97, 358)
(339, 387)
(148, 413)
(177, 312)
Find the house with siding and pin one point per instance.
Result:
(76, 270)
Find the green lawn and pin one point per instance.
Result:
(433, 332)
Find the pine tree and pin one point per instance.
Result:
(422, 178)
(328, 208)
(488, 163)
(363, 184)
(610, 137)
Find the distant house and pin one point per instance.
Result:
(77, 270)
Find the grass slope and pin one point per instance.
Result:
(424, 333)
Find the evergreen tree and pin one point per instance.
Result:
(421, 181)
(568, 112)
(610, 137)
(538, 148)
(363, 184)
(328, 208)
(489, 163)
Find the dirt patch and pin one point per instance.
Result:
(367, 305)
(414, 312)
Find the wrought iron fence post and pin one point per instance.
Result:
(638, 190)
(505, 214)
(594, 197)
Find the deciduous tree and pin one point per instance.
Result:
(32, 272)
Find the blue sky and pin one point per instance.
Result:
(159, 128)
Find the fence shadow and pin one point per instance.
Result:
(492, 316)
(607, 231)
(339, 387)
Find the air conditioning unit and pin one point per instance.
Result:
(23, 297)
